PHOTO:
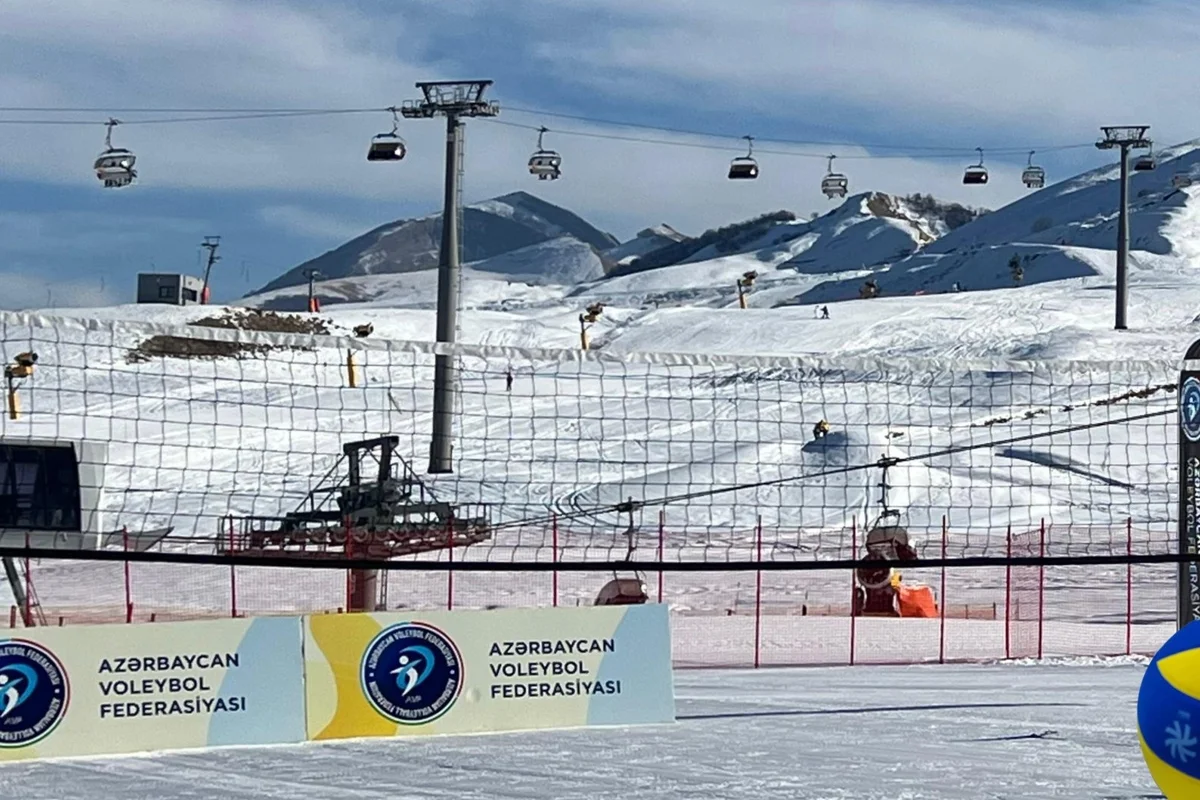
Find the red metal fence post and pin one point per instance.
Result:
(853, 585)
(28, 611)
(450, 570)
(128, 579)
(1008, 598)
(942, 623)
(1041, 590)
(348, 547)
(1129, 587)
(554, 558)
(233, 598)
(758, 535)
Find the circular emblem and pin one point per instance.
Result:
(33, 692)
(1189, 409)
(411, 673)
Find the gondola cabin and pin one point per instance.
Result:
(386, 147)
(835, 185)
(1144, 164)
(1033, 177)
(545, 165)
(114, 167)
(975, 175)
(743, 169)
(51, 493)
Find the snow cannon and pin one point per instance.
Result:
(880, 591)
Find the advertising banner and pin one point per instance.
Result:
(129, 688)
(408, 674)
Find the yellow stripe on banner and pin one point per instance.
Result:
(1171, 782)
(341, 638)
(17, 753)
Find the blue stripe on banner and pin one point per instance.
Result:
(270, 679)
(642, 663)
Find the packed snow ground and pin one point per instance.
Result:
(917, 733)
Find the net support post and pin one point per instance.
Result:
(1189, 487)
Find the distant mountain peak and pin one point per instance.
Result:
(490, 228)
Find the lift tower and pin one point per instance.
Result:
(454, 100)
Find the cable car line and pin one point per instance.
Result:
(797, 142)
(234, 114)
(115, 166)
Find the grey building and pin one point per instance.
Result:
(172, 289)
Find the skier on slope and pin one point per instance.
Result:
(820, 430)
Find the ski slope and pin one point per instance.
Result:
(687, 395)
(1058, 730)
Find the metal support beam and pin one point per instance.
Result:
(454, 100)
(1123, 137)
(441, 453)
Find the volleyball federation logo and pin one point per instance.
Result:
(411, 673)
(1189, 409)
(33, 692)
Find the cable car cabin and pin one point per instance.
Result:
(975, 175)
(1144, 164)
(835, 185)
(546, 165)
(743, 169)
(386, 147)
(622, 592)
(114, 167)
(1034, 177)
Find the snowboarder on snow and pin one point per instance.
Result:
(824, 312)
(508, 379)
(820, 430)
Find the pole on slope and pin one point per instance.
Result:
(1119, 322)
(454, 100)
(1123, 137)
(210, 243)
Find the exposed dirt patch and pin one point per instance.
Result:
(174, 346)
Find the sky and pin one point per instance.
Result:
(901, 78)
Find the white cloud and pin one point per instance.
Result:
(1045, 69)
(1048, 72)
(312, 224)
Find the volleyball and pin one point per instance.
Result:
(1168, 715)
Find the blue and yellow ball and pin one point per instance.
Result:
(1168, 715)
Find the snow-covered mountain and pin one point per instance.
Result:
(508, 280)
(490, 228)
(647, 240)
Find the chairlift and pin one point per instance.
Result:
(388, 146)
(834, 184)
(1145, 163)
(1034, 177)
(977, 173)
(1181, 180)
(114, 167)
(545, 164)
(622, 592)
(745, 167)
